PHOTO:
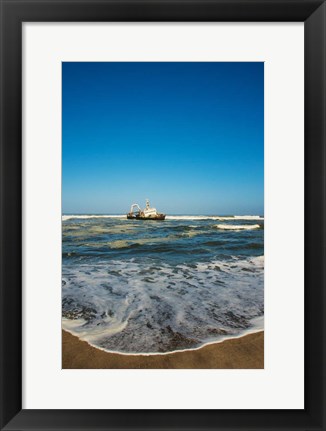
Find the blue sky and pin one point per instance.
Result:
(188, 136)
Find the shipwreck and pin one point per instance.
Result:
(148, 213)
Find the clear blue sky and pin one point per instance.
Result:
(188, 136)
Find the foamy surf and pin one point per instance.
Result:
(146, 307)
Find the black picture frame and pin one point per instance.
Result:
(13, 14)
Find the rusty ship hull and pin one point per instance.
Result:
(141, 217)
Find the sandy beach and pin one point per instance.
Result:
(238, 353)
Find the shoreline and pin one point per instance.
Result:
(245, 352)
(250, 331)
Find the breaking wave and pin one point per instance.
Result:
(237, 226)
(205, 217)
(69, 217)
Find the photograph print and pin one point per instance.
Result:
(163, 215)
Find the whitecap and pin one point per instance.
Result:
(237, 227)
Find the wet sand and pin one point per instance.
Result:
(238, 353)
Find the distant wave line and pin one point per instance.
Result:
(171, 217)
(68, 217)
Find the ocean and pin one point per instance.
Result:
(134, 286)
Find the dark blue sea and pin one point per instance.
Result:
(134, 286)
